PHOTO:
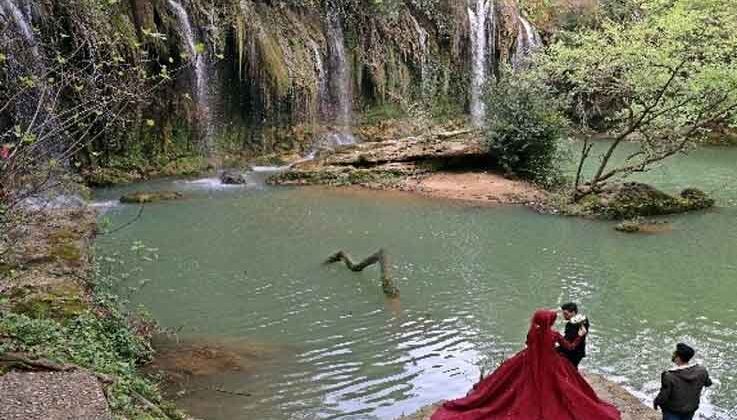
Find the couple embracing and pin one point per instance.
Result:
(540, 382)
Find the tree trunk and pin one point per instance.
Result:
(387, 284)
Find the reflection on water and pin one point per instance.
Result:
(246, 263)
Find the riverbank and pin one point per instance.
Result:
(445, 163)
(455, 163)
(630, 407)
(68, 349)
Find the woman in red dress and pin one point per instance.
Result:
(536, 384)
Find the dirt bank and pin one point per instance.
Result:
(630, 407)
(485, 187)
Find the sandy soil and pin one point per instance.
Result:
(475, 186)
(630, 407)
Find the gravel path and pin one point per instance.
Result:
(52, 396)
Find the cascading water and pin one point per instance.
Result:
(422, 37)
(528, 41)
(480, 15)
(23, 22)
(200, 66)
(322, 80)
(341, 91)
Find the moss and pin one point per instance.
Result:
(59, 302)
(634, 200)
(7, 269)
(272, 159)
(103, 177)
(341, 176)
(64, 235)
(639, 225)
(186, 166)
(69, 252)
(380, 113)
(273, 62)
(141, 197)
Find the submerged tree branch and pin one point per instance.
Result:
(379, 257)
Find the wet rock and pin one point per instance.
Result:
(387, 174)
(103, 177)
(60, 301)
(202, 358)
(632, 200)
(507, 28)
(387, 162)
(643, 226)
(697, 198)
(233, 178)
(141, 197)
(447, 145)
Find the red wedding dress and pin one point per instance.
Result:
(536, 384)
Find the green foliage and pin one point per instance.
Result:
(103, 337)
(619, 67)
(666, 79)
(103, 344)
(524, 127)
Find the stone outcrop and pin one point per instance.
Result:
(634, 199)
(233, 178)
(145, 197)
(387, 161)
(507, 28)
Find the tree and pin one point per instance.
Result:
(665, 81)
(524, 126)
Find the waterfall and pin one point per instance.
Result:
(22, 21)
(422, 37)
(200, 66)
(322, 80)
(528, 41)
(479, 18)
(340, 82)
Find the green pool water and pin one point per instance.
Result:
(244, 263)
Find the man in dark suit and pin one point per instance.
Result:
(574, 323)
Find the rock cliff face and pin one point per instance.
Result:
(246, 73)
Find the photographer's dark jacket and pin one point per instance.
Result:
(681, 387)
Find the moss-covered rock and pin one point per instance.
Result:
(60, 302)
(143, 197)
(233, 178)
(632, 200)
(642, 226)
(185, 166)
(104, 177)
(346, 175)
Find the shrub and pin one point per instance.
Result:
(524, 125)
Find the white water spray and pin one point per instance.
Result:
(22, 21)
(528, 41)
(340, 88)
(480, 14)
(200, 66)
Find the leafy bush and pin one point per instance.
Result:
(524, 125)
